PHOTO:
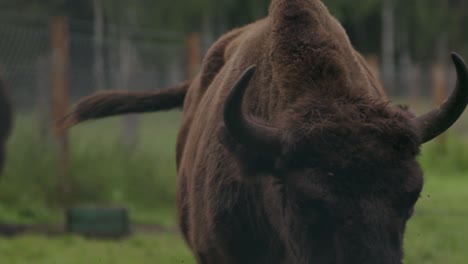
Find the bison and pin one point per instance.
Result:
(289, 150)
(5, 122)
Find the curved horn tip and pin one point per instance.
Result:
(437, 121)
(457, 59)
(243, 81)
(250, 71)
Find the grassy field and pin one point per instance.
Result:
(437, 234)
(143, 179)
(439, 230)
(155, 249)
(103, 170)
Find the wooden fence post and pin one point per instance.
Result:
(193, 54)
(374, 64)
(60, 87)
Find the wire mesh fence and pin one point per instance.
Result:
(133, 58)
(126, 58)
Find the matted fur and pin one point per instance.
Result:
(363, 131)
(111, 103)
(347, 134)
(346, 180)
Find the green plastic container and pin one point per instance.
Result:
(98, 221)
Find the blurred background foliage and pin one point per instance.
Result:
(401, 33)
(421, 23)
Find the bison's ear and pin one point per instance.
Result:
(252, 135)
(437, 121)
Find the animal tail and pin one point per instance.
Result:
(112, 103)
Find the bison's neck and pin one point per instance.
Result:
(299, 49)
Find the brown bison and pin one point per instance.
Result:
(289, 150)
(5, 122)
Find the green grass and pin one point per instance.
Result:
(139, 249)
(105, 172)
(438, 232)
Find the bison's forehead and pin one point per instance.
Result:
(337, 185)
(361, 136)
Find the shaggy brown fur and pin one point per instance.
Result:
(5, 122)
(344, 181)
(110, 103)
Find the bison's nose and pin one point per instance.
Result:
(368, 246)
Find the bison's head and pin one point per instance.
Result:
(342, 174)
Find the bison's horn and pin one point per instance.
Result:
(245, 131)
(438, 120)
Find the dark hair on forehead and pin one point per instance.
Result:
(358, 134)
(348, 133)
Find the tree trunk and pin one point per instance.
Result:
(408, 72)
(99, 73)
(221, 17)
(207, 31)
(129, 122)
(126, 66)
(388, 44)
(43, 100)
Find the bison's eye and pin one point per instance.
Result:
(410, 213)
(413, 197)
(406, 205)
